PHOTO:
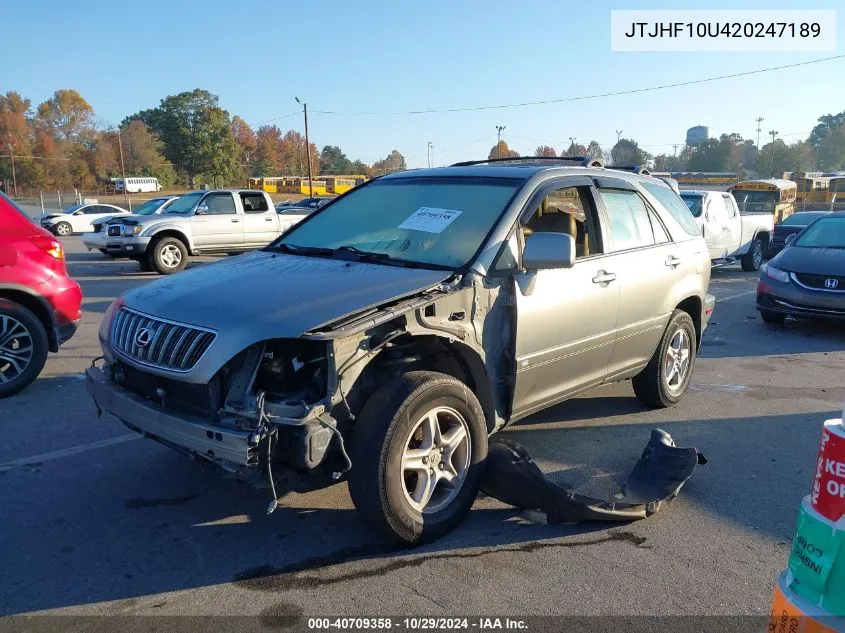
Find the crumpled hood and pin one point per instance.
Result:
(264, 295)
(813, 261)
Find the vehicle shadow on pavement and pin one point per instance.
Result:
(135, 519)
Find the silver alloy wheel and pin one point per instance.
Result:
(63, 229)
(170, 256)
(15, 348)
(435, 459)
(757, 255)
(677, 361)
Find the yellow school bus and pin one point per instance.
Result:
(297, 184)
(341, 184)
(703, 177)
(812, 186)
(772, 195)
(835, 193)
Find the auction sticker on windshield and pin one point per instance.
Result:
(430, 219)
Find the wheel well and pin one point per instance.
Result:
(37, 307)
(172, 233)
(765, 236)
(692, 306)
(431, 353)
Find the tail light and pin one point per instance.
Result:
(54, 249)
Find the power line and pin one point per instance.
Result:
(278, 118)
(585, 97)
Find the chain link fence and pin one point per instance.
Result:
(834, 205)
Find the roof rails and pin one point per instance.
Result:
(581, 161)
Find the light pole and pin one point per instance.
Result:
(499, 129)
(307, 148)
(12, 159)
(572, 146)
(618, 135)
(774, 133)
(428, 152)
(759, 120)
(123, 171)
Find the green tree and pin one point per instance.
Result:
(827, 124)
(394, 162)
(545, 150)
(334, 161)
(197, 136)
(67, 116)
(595, 150)
(831, 150)
(722, 154)
(627, 153)
(501, 150)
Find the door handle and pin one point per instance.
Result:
(672, 261)
(235, 220)
(268, 219)
(603, 277)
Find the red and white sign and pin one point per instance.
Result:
(828, 494)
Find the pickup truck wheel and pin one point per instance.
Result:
(753, 259)
(168, 255)
(418, 449)
(665, 379)
(772, 318)
(63, 229)
(23, 347)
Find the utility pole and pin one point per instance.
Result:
(307, 148)
(428, 152)
(759, 120)
(618, 135)
(774, 133)
(674, 151)
(499, 129)
(123, 171)
(12, 159)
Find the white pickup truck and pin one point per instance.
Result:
(201, 222)
(730, 235)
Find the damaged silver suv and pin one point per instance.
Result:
(383, 338)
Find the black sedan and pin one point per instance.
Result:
(807, 278)
(795, 223)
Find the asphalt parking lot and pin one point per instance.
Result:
(97, 521)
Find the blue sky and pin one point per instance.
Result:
(396, 56)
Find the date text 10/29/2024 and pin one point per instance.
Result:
(416, 624)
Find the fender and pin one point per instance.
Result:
(46, 314)
(176, 227)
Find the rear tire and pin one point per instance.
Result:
(753, 259)
(665, 379)
(772, 318)
(168, 255)
(394, 441)
(23, 355)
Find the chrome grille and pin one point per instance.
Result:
(157, 342)
(114, 230)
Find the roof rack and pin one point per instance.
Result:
(640, 170)
(581, 161)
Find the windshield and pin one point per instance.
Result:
(437, 221)
(73, 209)
(756, 201)
(149, 207)
(826, 233)
(694, 204)
(185, 203)
(802, 219)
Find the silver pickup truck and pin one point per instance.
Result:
(200, 222)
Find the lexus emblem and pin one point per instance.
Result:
(830, 284)
(143, 337)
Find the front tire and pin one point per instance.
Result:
(23, 347)
(168, 255)
(753, 259)
(63, 229)
(665, 379)
(772, 318)
(418, 449)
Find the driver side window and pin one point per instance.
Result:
(566, 210)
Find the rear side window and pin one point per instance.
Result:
(15, 208)
(254, 203)
(676, 207)
(630, 226)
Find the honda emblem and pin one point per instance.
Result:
(831, 284)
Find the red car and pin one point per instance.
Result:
(39, 302)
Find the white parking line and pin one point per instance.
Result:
(65, 452)
(736, 296)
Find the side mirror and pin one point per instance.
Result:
(548, 250)
(202, 209)
(80, 212)
(791, 238)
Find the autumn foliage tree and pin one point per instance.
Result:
(501, 150)
(545, 151)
